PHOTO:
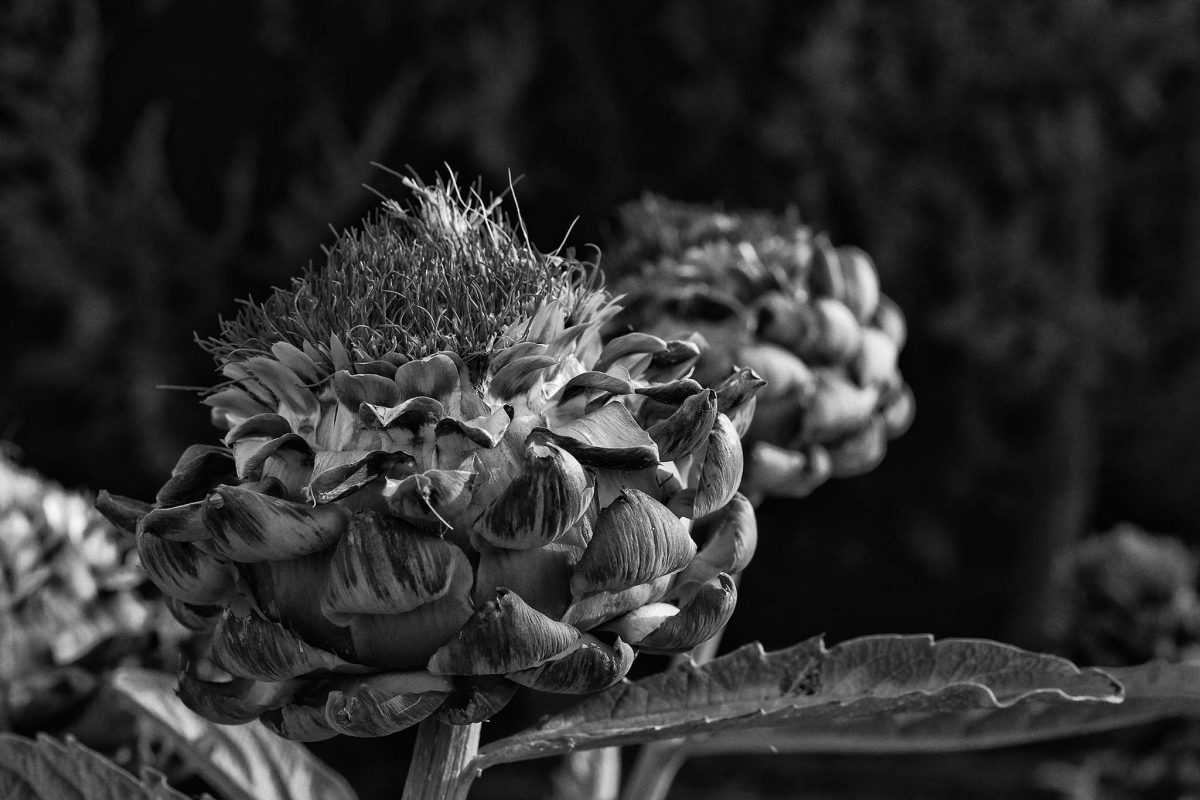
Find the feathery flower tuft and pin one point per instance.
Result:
(446, 271)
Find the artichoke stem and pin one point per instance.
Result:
(654, 770)
(442, 766)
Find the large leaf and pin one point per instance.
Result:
(877, 677)
(1152, 692)
(243, 762)
(47, 769)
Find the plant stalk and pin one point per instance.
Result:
(442, 765)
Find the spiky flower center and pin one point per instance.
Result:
(446, 271)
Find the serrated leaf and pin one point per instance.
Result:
(243, 762)
(1153, 692)
(47, 769)
(882, 677)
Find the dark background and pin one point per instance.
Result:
(1026, 175)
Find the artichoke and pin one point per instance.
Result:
(437, 484)
(1130, 598)
(71, 601)
(770, 295)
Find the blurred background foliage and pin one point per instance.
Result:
(1026, 176)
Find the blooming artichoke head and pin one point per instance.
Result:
(436, 484)
(769, 295)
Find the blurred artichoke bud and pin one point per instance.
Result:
(72, 602)
(805, 316)
(1131, 597)
(416, 513)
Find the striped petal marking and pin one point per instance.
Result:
(383, 565)
(635, 541)
(697, 621)
(248, 526)
(382, 704)
(540, 504)
(252, 647)
(589, 666)
(183, 571)
(504, 635)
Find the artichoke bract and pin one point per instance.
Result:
(770, 295)
(437, 484)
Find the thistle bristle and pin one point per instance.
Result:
(444, 271)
